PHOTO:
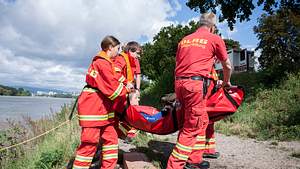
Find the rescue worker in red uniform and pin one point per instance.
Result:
(194, 61)
(128, 65)
(210, 140)
(102, 97)
(127, 62)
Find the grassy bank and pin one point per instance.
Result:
(50, 151)
(272, 114)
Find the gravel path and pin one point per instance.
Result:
(238, 153)
(249, 153)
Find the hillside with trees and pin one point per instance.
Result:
(10, 91)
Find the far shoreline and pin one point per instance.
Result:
(39, 97)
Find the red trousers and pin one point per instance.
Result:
(90, 137)
(210, 144)
(191, 138)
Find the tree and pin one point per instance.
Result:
(279, 36)
(10, 91)
(230, 44)
(232, 10)
(159, 56)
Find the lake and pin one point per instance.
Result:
(14, 107)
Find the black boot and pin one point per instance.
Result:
(202, 165)
(213, 155)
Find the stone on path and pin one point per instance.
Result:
(136, 160)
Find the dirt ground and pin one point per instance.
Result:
(249, 153)
(236, 153)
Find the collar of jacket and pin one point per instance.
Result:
(129, 73)
(103, 55)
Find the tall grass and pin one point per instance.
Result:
(272, 114)
(50, 151)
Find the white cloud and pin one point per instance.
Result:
(195, 19)
(19, 70)
(225, 30)
(249, 47)
(67, 33)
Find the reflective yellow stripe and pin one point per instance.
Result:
(212, 140)
(199, 147)
(210, 146)
(123, 129)
(117, 69)
(200, 138)
(83, 158)
(117, 92)
(110, 147)
(110, 156)
(183, 148)
(80, 167)
(96, 117)
(111, 115)
(93, 73)
(90, 90)
(179, 156)
(122, 78)
(133, 131)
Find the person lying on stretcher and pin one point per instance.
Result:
(155, 116)
(169, 119)
(169, 101)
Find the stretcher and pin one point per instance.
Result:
(220, 104)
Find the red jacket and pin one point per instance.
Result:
(196, 53)
(128, 66)
(105, 95)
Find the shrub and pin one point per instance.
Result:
(151, 95)
(49, 159)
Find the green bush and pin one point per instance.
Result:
(49, 159)
(151, 95)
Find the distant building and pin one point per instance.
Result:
(51, 93)
(40, 93)
(242, 60)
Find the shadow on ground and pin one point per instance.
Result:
(157, 151)
(96, 163)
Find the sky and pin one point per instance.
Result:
(50, 43)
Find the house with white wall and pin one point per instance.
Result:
(242, 60)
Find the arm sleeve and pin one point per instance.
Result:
(138, 67)
(120, 65)
(108, 81)
(220, 49)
